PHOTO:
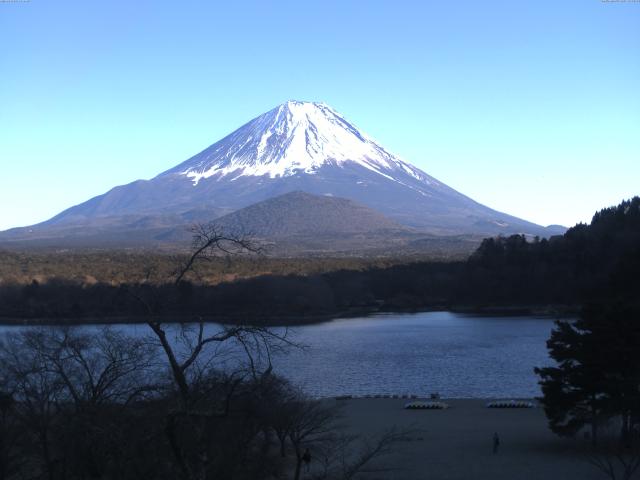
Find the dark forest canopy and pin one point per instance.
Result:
(589, 261)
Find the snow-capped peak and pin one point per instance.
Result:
(292, 138)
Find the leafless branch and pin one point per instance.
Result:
(210, 239)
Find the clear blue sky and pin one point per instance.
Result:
(530, 107)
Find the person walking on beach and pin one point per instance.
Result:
(306, 458)
(496, 442)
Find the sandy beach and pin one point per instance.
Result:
(456, 443)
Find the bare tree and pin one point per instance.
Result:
(191, 355)
(312, 421)
(345, 457)
(109, 367)
(36, 393)
(209, 240)
(315, 424)
(69, 390)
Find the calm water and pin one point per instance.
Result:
(452, 354)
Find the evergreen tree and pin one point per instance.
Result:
(573, 391)
(597, 376)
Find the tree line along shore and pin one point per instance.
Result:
(505, 274)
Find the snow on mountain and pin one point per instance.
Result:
(294, 137)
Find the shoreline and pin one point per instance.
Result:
(427, 398)
(558, 311)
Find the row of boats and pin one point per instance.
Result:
(431, 405)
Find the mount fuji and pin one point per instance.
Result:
(297, 146)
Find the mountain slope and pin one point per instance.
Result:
(297, 146)
(303, 214)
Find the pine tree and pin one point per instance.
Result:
(597, 376)
(573, 391)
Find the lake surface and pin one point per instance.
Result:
(453, 354)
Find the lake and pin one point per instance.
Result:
(455, 355)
